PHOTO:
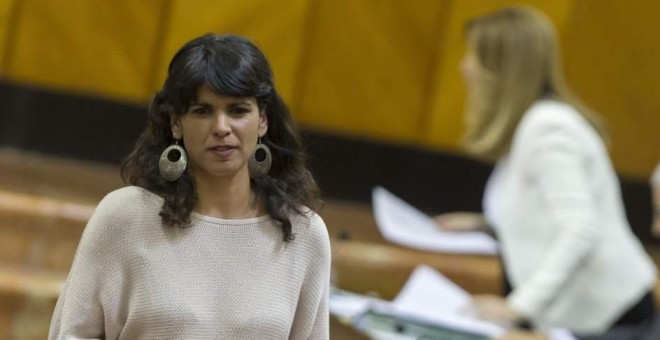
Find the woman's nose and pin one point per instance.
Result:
(221, 126)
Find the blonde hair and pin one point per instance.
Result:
(519, 60)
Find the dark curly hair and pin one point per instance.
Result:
(232, 66)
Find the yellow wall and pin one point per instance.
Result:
(384, 70)
(278, 27)
(613, 62)
(368, 67)
(6, 8)
(97, 47)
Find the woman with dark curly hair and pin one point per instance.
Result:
(217, 238)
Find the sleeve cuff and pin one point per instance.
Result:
(522, 304)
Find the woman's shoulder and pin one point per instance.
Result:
(118, 213)
(554, 120)
(310, 225)
(309, 215)
(311, 238)
(127, 202)
(130, 195)
(551, 113)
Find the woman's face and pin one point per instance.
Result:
(470, 68)
(220, 132)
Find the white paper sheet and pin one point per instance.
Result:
(427, 289)
(345, 305)
(401, 223)
(429, 296)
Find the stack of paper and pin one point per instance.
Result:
(428, 298)
(401, 223)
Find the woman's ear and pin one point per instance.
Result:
(177, 130)
(263, 123)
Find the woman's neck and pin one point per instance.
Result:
(227, 198)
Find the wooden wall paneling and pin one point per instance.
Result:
(97, 47)
(386, 71)
(7, 8)
(278, 27)
(382, 269)
(612, 64)
(368, 67)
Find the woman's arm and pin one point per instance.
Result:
(559, 167)
(462, 221)
(312, 320)
(655, 193)
(87, 301)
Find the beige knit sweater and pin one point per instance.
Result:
(133, 278)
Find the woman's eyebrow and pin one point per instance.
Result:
(199, 103)
(241, 102)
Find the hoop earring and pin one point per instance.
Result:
(260, 162)
(169, 169)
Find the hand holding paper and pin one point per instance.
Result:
(461, 221)
(495, 309)
(401, 223)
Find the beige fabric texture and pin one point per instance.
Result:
(133, 278)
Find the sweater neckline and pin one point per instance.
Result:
(221, 221)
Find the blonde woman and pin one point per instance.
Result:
(553, 198)
(655, 192)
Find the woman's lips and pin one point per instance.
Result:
(223, 151)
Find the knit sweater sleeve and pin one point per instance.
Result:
(312, 316)
(89, 302)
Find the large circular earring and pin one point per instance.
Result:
(260, 161)
(173, 162)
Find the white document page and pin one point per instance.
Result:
(401, 223)
(346, 305)
(429, 296)
(427, 289)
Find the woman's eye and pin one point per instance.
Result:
(200, 110)
(239, 110)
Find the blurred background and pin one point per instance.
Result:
(374, 85)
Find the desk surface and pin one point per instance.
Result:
(364, 262)
(340, 331)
